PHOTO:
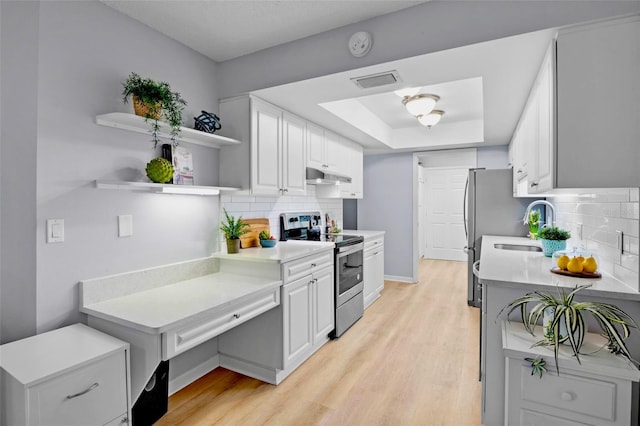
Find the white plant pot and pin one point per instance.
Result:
(547, 318)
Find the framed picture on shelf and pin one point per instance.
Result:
(183, 166)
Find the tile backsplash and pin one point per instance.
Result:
(601, 213)
(256, 206)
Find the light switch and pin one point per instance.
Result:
(125, 225)
(55, 230)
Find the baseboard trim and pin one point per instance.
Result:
(400, 279)
(249, 369)
(193, 374)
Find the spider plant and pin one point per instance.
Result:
(538, 366)
(614, 323)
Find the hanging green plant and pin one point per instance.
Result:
(567, 324)
(151, 100)
(538, 366)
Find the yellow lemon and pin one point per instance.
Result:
(563, 261)
(575, 265)
(590, 265)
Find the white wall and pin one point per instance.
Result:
(387, 205)
(493, 157)
(426, 28)
(602, 212)
(71, 58)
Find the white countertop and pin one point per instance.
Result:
(160, 309)
(523, 269)
(40, 357)
(284, 251)
(365, 234)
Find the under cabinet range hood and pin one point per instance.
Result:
(319, 177)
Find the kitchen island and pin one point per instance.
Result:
(506, 275)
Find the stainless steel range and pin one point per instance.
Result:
(348, 260)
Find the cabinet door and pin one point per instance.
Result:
(368, 274)
(352, 167)
(296, 300)
(543, 177)
(378, 269)
(293, 156)
(323, 304)
(332, 150)
(598, 110)
(315, 146)
(266, 128)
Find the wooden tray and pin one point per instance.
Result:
(250, 239)
(559, 271)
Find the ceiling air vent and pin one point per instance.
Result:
(375, 80)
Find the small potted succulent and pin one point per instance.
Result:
(151, 100)
(233, 229)
(553, 239)
(266, 239)
(564, 321)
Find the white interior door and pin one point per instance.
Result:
(444, 205)
(422, 211)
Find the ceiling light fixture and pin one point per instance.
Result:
(432, 118)
(420, 104)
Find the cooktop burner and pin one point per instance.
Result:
(306, 227)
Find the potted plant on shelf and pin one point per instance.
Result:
(553, 239)
(564, 323)
(151, 100)
(233, 229)
(266, 239)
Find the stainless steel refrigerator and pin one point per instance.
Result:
(491, 210)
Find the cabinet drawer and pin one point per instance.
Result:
(531, 418)
(580, 395)
(374, 243)
(91, 395)
(307, 265)
(181, 339)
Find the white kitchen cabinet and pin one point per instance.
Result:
(272, 346)
(271, 158)
(322, 148)
(596, 391)
(70, 376)
(351, 164)
(373, 269)
(297, 321)
(598, 110)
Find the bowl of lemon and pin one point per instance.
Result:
(576, 263)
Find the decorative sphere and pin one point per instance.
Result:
(159, 170)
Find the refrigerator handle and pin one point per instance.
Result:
(464, 209)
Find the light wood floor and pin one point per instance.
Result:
(411, 360)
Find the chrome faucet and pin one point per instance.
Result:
(551, 216)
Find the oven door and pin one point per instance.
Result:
(348, 272)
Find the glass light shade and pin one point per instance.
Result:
(420, 104)
(432, 118)
(407, 92)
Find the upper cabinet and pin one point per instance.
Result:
(581, 125)
(322, 148)
(598, 100)
(272, 158)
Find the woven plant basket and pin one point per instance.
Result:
(142, 109)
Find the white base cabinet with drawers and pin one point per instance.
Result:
(373, 268)
(596, 391)
(70, 376)
(271, 347)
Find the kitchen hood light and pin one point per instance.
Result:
(431, 119)
(407, 92)
(320, 177)
(420, 104)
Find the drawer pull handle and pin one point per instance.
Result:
(236, 316)
(87, 390)
(313, 265)
(566, 396)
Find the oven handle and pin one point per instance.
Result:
(347, 250)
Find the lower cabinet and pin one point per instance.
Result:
(373, 269)
(71, 376)
(596, 391)
(273, 345)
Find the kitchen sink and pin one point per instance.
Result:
(517, 247)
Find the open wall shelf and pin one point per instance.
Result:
(138, 124)
(162, 188)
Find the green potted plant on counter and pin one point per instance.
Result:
(534, 224)
(233, 229)
(564, 323)
(553, 239)
(151, 100)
